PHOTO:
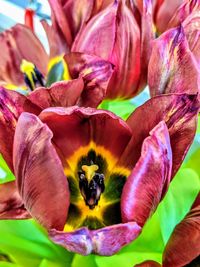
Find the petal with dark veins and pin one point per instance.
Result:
(11, 205)
(60, 94)
(76, 127)
(144, 187)
(179, 111)
(40, 178)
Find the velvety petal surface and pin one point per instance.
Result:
(179, 111)
(42, 184)
(96, 74)
(172, 66)
(11, 205)
(113, 34)
(12, 104)
(144, 187)
(183, 11)
(62, 94)
(164, 12)
(19, 43)
(191, 27)
(75, 127)
(184, 243)
(106, 241)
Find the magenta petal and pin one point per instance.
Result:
(172, 66)
(184, 243)
(12, 104)
(11, 205)
(62, 94)
(106, 241)
(78, 241)
(96, 74)
(42, 184)
(144, 187)
(109, 240)
(75, 127)
(179, 111)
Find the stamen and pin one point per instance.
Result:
(91, 185)
(32, 76)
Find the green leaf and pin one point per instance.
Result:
(27, 244)
(122, 108)
(198, 127)
(8, 264)
(5, 173)
(178, 201)
(84, 261)
(55, 74)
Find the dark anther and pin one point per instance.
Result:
(34, 79)
(91, 191)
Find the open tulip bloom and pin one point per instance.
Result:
(90, 178)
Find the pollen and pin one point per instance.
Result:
(90, 171)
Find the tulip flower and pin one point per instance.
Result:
(175, 60)
(25, 64)
(90, 178)
(116, 35)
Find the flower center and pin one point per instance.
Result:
(91, 184)
(32, 76)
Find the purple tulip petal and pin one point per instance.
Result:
(62, 94)
(75, 127)
(12, 104)
(106, 241)
(11, 205)
(143, 189)
(19, 43)
(39, 172)
(113, 34)
(96, 74)
(172, 66)
(179, 111)
(184, 243)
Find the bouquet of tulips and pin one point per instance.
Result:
(99, 137)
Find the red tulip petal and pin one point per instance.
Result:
(57, 43)
(19, 43)
(144, 187)
(148, 264)
(192, 31)
(12, 104)
(61, 20)
(62, 94)
(113, 34)
(147, 35)
(11, 205)
(172, 66)
(165, 13)
(180, 115)
(96, 74)
(184, 243)
(106, 241)
(77, 13)
(183, 11)
(39, 172)
(75, 127)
